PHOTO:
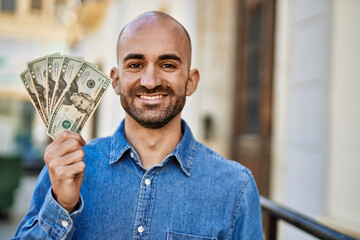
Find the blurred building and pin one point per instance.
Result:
(278, 87)
(28, 29)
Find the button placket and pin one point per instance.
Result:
(145, 205)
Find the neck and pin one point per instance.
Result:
(153, 145)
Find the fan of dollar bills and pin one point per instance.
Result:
(65, 91)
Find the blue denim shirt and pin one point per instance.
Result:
(194, 193)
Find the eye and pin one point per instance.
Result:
(168, 65)
(134, 65)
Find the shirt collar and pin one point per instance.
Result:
(119, 144)
(184, 152)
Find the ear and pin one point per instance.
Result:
(114, 74)
(193, 80)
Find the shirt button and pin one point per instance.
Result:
(64, 223)
(140, 229)
(131, 154)
(147, 182)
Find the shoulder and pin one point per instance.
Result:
(98, 147)
(210, 158)
(102, 143)
(221, 168)
(228, 178)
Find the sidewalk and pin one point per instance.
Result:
(19, 209)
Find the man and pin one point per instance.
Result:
(151, 179)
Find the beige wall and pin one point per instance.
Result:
(316, 112)
(281, 95)
(343, 193)
(216, 60)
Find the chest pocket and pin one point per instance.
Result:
(183, 236)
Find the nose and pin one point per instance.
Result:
(150, 79)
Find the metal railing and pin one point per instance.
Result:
(276, 212)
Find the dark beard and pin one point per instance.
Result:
(163, 117)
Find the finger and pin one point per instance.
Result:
(66, 135)
(71, 158)
(67, 147)
(68, 172)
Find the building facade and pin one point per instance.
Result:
(28, 29)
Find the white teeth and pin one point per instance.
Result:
(151, 97)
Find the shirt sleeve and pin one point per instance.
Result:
(46, 219)
(247, 222)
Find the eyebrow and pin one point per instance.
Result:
(134, 56)
(170, 57)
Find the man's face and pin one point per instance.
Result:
(154, 60)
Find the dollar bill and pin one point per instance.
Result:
(69, 68)
(26, 79)
(37, 70)
(79, 101)
(54, 64)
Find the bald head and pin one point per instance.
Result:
(152, 20)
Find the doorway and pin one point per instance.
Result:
(253, 96)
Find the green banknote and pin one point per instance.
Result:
(79, 100)
(65, 91)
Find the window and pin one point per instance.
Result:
(8, 5)
(36, 5)
(20, 133)
(253, 102)
(253, 84)
(60, 9)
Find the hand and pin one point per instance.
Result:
(64, 158)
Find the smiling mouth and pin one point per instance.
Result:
(152, 97)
